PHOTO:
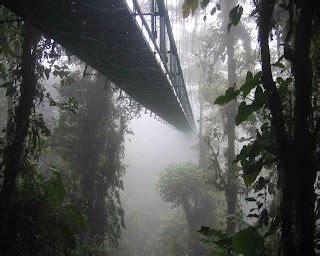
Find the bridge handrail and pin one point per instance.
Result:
(145, 24)
(177, 81)
(174, 49)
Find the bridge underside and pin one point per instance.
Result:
(105, 35)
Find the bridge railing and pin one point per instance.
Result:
(153, 19)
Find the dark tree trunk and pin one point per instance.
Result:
(305, 173)
(296, 159)
(92, 144)
(13, 154)
(278, 127)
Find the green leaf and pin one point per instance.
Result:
(194, 6)
(259, 97)
(283, 82)
(244, 111)
(248, 242)
(251, 82)
(248, 85)
(279, 65)
(213, 11)
(230, 94)
(249, 76)
(260, 184)
(186, 9)
(251, 172)
(235, 15)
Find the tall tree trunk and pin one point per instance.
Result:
(296, 159)
(231, 183)
(305, 173)
(278, 128)
(13, 154)
(91, 147)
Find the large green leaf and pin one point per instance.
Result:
(194, 6)
(251, 82)
(189, 6)
(185, 9)
(248, 242)
(251, 171)
(244, 110)
(235, 15)
(230, 95)
(260, 184)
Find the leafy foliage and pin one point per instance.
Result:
(186, 186)
(178, 182)
(235, 16)
(51, 224)
(97, 132)
(246, 241)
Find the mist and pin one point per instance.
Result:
(159, 128)
(151, 148)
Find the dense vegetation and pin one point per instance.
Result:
(278, 100)
(255, 66)
(61, 149)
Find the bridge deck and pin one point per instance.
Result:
(105, 35)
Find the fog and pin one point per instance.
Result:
(151, 148)
(97, 101)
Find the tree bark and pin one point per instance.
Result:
(295, 159)
(92, 139)
(305, 173)
(278, 128)
(231, 181)
(13, 154)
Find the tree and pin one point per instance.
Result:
(14, 150)
(185, 186)
(34, 213)
(216, 55)
(39, 210)
(90, 143)
(292, 119)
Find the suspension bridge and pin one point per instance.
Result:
(131, 42)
